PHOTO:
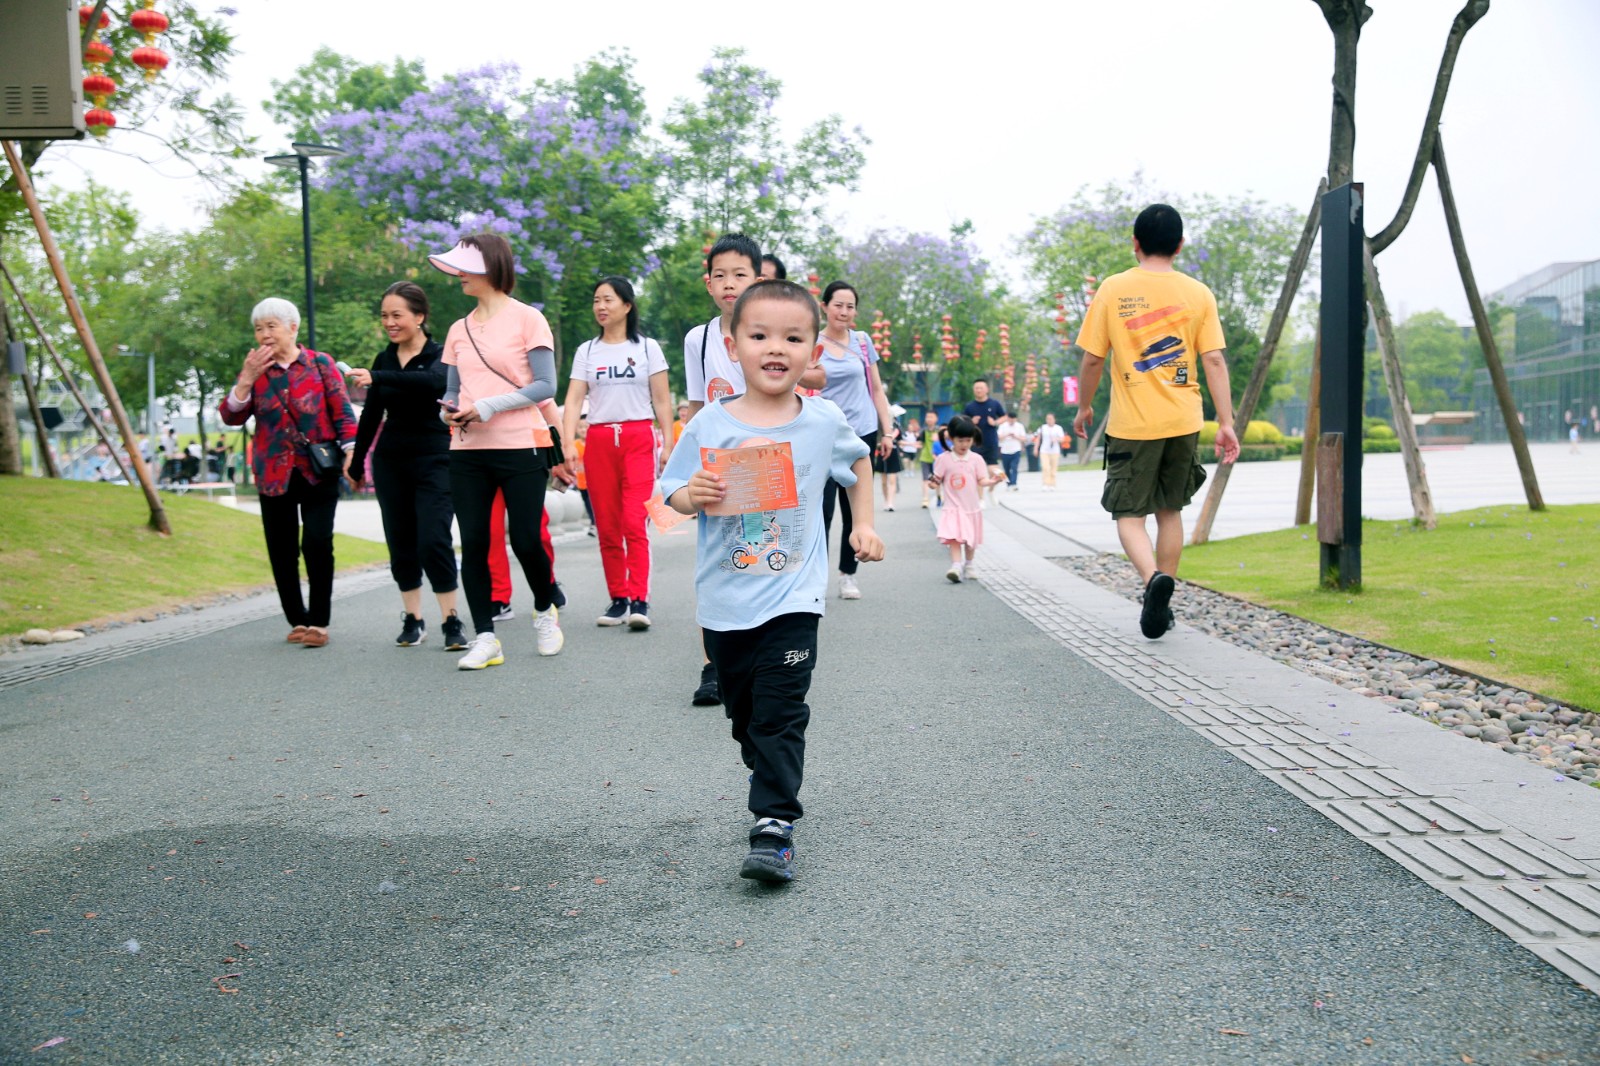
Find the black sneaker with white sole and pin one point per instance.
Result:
(413, 631)
(455, 635)
(638, 615)
(502, 611)
(709, 694)
(771, 857)
(615, 615)
(1155, 618)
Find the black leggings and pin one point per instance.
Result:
(300, 522)
(414, 496)
(475, 475)
(847, 555)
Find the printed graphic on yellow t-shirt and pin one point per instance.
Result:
(1152, 327)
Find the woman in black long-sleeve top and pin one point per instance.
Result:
(411, 464)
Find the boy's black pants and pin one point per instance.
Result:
(765, 674)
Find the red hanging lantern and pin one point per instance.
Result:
(151, 60)
(148, 22)
(97, 86)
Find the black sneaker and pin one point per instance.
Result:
(455, 635)
(557, 597)
(709, 694)
(1155, 618)
(413, 631)
(615, 615)
(502, 612)
(638, 615)
(771, 857)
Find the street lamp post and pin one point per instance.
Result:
(150, 389)
(300, 159)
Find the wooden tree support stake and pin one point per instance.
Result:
(1480, 321)
(1258, 374)
(66, 372)
(158, 514)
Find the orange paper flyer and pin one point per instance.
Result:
(663, 516)
(757, 478)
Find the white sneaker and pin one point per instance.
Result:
(483, 651)
(547, 629)
(954, 574)
(848, 589)
(966, 571)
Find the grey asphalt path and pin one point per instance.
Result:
(1007, 857)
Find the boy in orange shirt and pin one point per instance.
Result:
(1157, 326)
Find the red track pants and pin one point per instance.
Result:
(499, 562)
(620, 460)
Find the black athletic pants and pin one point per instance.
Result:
(765, 674)
(847, 555)
(475, 475)
(414, 496)
(300, 523)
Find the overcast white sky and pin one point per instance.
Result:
(998, 114)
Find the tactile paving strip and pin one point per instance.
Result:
(1546, 901)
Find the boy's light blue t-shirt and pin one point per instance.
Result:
(753, 568)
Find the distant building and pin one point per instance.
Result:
(1553, 355)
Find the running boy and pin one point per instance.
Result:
(762, 574)
(1157, 326)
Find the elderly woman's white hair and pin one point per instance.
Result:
(278, 308)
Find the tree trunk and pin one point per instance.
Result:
(200, 413)
(1345, 19)
(1258, 373)
(66, 373)
(158, 513)
(1465, 19)
(1399, 402)
(1480, 320)
(1313, 430)
(1093, 442)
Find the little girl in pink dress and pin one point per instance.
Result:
(961, 474)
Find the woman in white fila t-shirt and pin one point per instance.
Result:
(624, 378)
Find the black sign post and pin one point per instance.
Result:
(1344, 332)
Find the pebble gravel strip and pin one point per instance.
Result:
(1549, 734)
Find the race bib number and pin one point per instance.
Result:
(757, 478)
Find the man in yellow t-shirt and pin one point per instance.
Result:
(1157, 327)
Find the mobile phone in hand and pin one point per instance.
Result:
(448, 406)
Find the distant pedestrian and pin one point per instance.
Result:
(1157, 327)
(623, 377)
(1013, 439)
(961, 475)
(1572, 438)
(772, 268)
(1047, 439)
(925, 456)
(986, 414)
(411, 464)
(298, 401)
(854, 384)
(762, 574)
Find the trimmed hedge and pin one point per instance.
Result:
(1380, 444)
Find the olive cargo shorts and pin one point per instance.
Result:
(1143, 476)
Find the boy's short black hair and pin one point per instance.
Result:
(1159, 230)
(780, 291)
(779, 271)
(739, 243)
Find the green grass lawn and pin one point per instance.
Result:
(74, 552)
(1500, 591)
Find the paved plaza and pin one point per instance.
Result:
(1031, 836)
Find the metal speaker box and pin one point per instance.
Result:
(41, 71)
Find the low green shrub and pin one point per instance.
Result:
(1379, 444)
(1293, 445)
(1208, 433)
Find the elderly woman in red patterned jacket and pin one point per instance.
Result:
(304, 429)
